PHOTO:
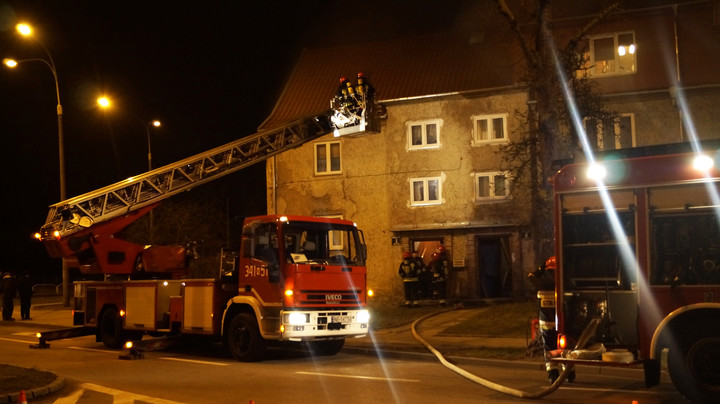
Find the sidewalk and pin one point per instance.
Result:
(401, 342)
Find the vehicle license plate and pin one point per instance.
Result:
(341, 319)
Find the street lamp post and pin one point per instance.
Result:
(26, 31)
(104, 103)
(156, 124)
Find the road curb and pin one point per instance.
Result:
(56, 385)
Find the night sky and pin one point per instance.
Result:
(209, 71)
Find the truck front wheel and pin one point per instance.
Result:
(244, 340)
(111, 330)
(694, 366)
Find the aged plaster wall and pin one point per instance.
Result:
(374, 189)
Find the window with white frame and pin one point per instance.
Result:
(611, 134)
(327, 158)
(489, 129)
(424, 134)
(425, 191)
(612, 54)
(492, 185)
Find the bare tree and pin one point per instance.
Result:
(555, 77)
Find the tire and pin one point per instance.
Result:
(111, 329)
(244, 340)
(694, 365)
(326, 348)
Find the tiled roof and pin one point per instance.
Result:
(400, 68)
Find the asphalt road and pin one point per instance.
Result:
(202, 373)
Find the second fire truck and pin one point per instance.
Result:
(638, 254)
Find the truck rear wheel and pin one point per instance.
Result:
(244, 340)
(326, 348)
(111, 329)
(694, 366)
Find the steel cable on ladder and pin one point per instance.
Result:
(582, 341)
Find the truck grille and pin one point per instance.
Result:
(331, 297)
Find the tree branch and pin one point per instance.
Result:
(515, 27)
(572, 44)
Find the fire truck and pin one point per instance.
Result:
(638, 256)
(293, 278)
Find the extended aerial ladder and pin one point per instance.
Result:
(90, 220)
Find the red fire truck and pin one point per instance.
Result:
(294, 278)
(638, 249)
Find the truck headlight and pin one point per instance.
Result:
(297, 318)
(363, 316)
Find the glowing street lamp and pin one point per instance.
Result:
(105, 103)
(26, 31)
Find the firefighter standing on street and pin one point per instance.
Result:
(9, 290)
(424, 276)
(440, 268)
(24, 285)
(409, 275)
(543, 279)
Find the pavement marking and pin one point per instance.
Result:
(93, 350)
(359, 377)
(70, 398)
(168, 358)
(26, 333)
(17, 340)
(613, 390)
(119, 396)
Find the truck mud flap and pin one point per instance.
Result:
(64, 333)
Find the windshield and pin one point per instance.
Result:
(323, 243)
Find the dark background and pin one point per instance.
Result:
(209, 71)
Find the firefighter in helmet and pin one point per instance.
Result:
(440, 268)
(364, 87)
(340, 93)
(543, 279)
(408, 273)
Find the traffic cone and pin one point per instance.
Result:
(21, 398)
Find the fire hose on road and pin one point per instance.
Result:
(582, 341)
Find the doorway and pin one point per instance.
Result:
(493, 266)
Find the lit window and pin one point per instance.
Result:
(424, 134)
(327, 158)
(489, 129)
(610, 55)
(492, 185)
(610, 134)
(425, 191)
